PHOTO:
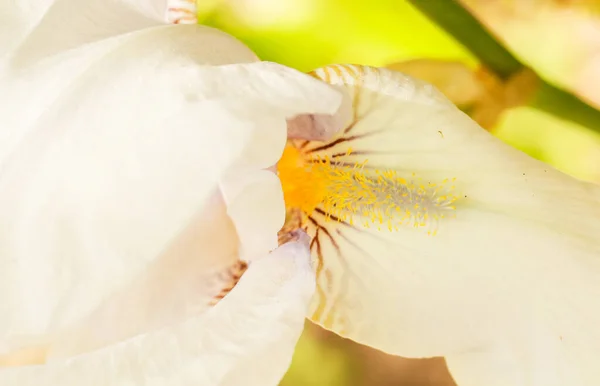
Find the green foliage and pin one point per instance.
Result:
(337, 31)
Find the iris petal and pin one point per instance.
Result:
(248, 338)
(520, 249)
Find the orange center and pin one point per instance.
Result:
(303, 186)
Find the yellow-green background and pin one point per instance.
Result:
(306, 34)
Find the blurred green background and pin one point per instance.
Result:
(559, 39)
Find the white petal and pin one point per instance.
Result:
(97, 196)
(280, 89)
(257, 208)
(17, 18)
(535, 358)
(184, 281)
(521, 251)
(98, 177)
(248, 338)
(29, 91)
(45, 27)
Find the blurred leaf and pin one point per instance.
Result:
(311, 357)
(569, 147)
(337, 31)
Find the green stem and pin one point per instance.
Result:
(455, 19)
(564, 105)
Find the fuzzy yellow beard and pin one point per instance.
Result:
(352, 193)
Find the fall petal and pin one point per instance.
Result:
(508, 242)
(536, 358)
(248, 337)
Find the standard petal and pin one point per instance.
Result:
(17, 19)
(188, 277)
(248, 338)
(516, 248)
(274, 88)
(98, 178)
(89, 202)
(30, 90)
(98, 175)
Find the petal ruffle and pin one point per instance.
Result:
(248, 338)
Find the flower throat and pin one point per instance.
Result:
(352, 194)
